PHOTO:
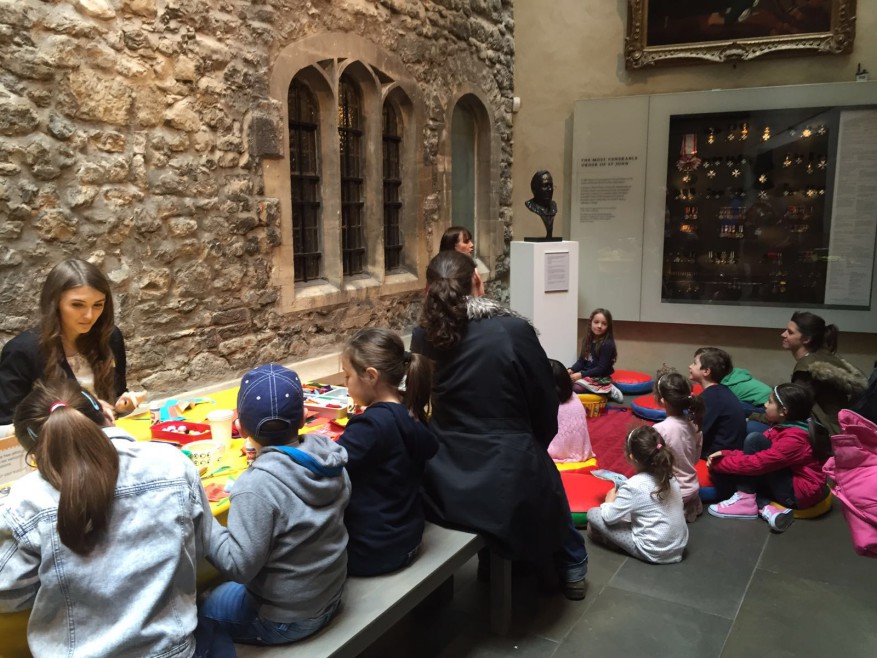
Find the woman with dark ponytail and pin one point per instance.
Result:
(643, 516)
(494, 413)
(388, 446)
(833, 382)
(104, 536)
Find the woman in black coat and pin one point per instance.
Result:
(494, 411)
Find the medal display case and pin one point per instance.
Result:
(728, 207)
(748, 207)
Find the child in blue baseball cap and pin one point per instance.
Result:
(285, 543)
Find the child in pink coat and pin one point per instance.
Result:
(572, 442)
(778, 465)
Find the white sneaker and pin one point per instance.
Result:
(778, 519)
(615, 394)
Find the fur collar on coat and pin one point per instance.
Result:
(836, 372)
(482, 308)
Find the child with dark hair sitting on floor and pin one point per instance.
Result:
(724, 423)
(643, 515)
(572, 443)
(592, 372)
(778, 465)
(285, 543)
(682, 435)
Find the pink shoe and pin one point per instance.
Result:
(778, 519)
(739, 506)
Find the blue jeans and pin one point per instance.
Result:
(572, 558)
(231, 615)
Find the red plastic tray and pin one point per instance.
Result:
(160, 432)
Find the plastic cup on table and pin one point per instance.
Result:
(205, 454)
(220, 426)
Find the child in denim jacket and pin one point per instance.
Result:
(78, 536)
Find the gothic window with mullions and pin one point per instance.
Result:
(304, 178)
(392, 143)
(350, 134)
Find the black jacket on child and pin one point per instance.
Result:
(387, 451)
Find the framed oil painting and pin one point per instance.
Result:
(686, 31)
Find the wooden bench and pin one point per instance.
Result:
(371, 606)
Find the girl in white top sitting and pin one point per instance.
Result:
(682, 435)
(643, 516)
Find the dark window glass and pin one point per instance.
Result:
(304, 129)
(350, 137)
(392, 142)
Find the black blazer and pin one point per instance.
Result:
(22, 363)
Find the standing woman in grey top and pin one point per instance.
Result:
(76, 339)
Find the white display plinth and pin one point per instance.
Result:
(544, 287)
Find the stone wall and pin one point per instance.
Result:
(126, 138)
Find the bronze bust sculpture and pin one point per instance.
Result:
(542, 186)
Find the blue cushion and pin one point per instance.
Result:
(646, 407)
(631, 382)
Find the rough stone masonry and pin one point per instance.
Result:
(125, 139)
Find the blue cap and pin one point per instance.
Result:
(271, 393)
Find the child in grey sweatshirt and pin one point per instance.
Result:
(285, 542)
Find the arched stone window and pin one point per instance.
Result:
(304, 178)
(473, 151)
(368, 245)
(392, 176)
(350, 139)
(464, 144)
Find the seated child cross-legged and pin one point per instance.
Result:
(285, 540)
(682, 435)
(572, 443)
(387, 446)
(591, 372)
(724, 423)
(643, 516)
(777, 465)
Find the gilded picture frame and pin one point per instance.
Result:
(665, 32)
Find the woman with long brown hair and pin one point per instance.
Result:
(76, 339)
(494, 412)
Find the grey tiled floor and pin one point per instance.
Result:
(740, 591)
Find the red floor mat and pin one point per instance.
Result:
(607, 432)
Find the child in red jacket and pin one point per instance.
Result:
(777, 465)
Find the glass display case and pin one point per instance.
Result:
(748, 208)
(728, 206)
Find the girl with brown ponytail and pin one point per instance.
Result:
(681, 434)
(104, 536)
(388, 446)
(643, 516)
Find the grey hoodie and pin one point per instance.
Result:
(285, 538)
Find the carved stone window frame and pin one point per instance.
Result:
(319, 61)
(489, 229)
